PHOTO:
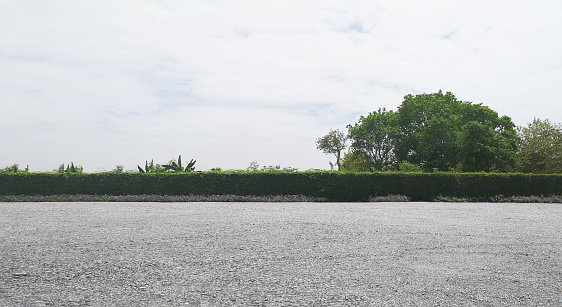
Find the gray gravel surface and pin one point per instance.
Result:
(280, 254)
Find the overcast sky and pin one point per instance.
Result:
(108, 83)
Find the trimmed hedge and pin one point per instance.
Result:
(333, 186)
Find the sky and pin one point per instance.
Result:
(106, 83)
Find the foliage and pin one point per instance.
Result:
(275, 168)
(290, 169)
(408, 167)
(357, 161)
(15, 168)
(330, 186)
(540, 149)
(484, 147)
(118, 169)
(254, 167)
(151, 168)
(333, 143)
(70, 169)
(436, 131)
(270, 168)
(458, 169)
(374, 135)
(176, 167)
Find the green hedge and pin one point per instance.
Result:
(333, 186)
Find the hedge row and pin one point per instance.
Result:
(333, 186)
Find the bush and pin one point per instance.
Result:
(330, 186)
(408, 167)
(15, 168)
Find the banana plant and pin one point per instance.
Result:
(151, 168)
(176, 167)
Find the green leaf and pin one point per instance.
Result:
(190, 165)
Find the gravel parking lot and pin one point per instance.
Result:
(280, 254)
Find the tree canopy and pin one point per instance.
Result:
(374, 135)
(540, 149)
(435, 132)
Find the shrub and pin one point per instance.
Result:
(330, 186)
(15, 168)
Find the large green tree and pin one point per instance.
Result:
(374, 135)
(437, 131)
(425, 136)
(540, 149)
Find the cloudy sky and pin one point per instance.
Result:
(108, 83)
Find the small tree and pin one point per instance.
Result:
(333, 143)
(357, 161)
(71, 169)
(540, 149)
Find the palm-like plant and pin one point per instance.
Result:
(176, 167)
(151, 168)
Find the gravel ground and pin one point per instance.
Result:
(280, 254)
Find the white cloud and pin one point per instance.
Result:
(230, 82)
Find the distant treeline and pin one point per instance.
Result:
(428, 133)
(437, 132)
